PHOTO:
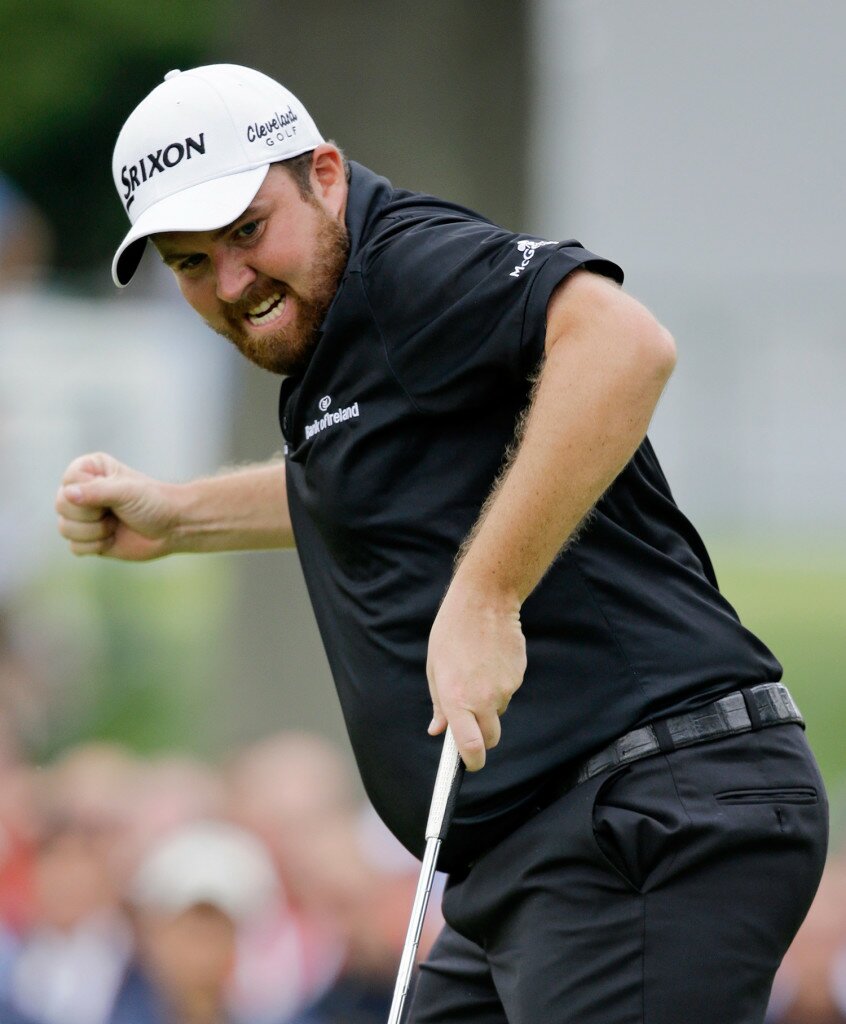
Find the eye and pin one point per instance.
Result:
(248, 230)
(191, 262)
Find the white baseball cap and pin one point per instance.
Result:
(210, 862)
(193, 154)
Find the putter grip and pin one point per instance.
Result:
(447, 784)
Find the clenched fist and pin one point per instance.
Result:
(106, 508)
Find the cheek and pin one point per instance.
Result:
(278, 263)
(200, 296)
(288, 255)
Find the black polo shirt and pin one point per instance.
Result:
(395, 433)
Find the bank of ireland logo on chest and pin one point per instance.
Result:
(330, 419)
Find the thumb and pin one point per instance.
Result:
(438, 723)
(98, 492)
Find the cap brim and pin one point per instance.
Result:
(203, 207)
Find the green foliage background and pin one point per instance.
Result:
(153, 679)
(793, 596)
(69, 72)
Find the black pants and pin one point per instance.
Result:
(665, 892)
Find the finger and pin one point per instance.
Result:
(438, 723)
(86, 501)
(86, 466)
(506, 700)
(468, 739)
(67, 505)
(92, 547)
(490, 728)
(85, 532)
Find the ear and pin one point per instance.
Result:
(329, 178)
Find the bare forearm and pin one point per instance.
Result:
(590, 411)
(239, 510)
(108, 509)
(607, 361)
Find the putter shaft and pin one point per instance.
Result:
(415, 926)
(447, 784)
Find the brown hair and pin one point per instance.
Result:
(299, 167)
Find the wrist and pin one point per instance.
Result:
(181, 534)
(485, 588)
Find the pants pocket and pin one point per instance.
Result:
(769, 795)
(638, 823)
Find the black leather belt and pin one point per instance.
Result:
(741, 711)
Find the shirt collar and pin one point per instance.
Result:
(368, 195)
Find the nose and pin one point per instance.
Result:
(232, 276)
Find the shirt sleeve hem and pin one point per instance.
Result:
(560, 263)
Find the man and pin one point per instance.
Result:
(649, 832)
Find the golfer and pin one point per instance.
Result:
(474, 501)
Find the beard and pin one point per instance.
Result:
(288, 350)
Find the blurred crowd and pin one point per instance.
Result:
(166, 891)
(810, 987)
(163, 890)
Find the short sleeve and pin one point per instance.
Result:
(460, 304)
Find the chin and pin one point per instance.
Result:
(278, 354)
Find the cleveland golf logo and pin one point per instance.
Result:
(281, 126)
(528, 247)
(134, 175)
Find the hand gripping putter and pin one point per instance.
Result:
(447, 784)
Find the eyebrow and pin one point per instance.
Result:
(247, 215)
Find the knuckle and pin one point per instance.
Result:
(491, 733)
(70, 530)
(77, 468)
(474, 745)
(104, 528)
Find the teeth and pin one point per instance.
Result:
(263, 307)
(268, 310)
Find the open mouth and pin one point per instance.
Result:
(267, 311)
